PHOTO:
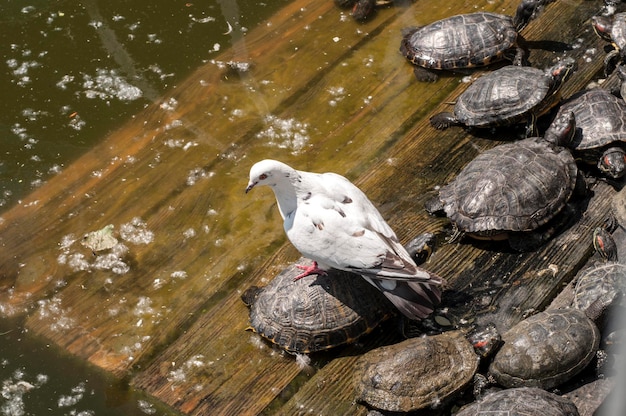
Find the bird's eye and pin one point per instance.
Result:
(263, 176)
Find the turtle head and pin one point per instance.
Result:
(604, 244)
(563, 70)
(562, 130)
(602, 25)
(613, 162)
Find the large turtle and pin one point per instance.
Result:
(600, 137)
(521, 401)
(612, 29)
(303, 316)
(546, 349)
(508, 95)
(417, 373)
(335, 309)
(511, 190)
(466, 41)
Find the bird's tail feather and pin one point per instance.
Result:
(416, 300)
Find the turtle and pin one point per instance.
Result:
(507, 96)
(466, 41)
(521, 401)
(600, 137)
(304, 317)
(335, 309)
(416, 373)
(546, 349)
(612, 29)
(604, 280)
(513, 189)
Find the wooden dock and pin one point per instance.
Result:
(174, 323)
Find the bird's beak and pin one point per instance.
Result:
(250, 186)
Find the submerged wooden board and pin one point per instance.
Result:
(174, 321)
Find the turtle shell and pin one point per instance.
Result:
(461, 41)
(546, 349)
(515, 186)
(521, 401)
(416, 373)
(600, 119)
(504, 96)
(307, 315)
(618, 207)
(601, 281)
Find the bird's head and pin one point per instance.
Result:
(269, 172)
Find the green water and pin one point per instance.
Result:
(70, 73)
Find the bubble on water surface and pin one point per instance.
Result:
(72, 399)
(107, 84)
(145, 407)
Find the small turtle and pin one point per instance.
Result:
(606, 280)
(600, 137)
(612, 29)
(466, 41)
(521, 401)
(511, 190)
(416, 373)
(506, 96)
(303, 316)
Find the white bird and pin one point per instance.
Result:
(331, 221)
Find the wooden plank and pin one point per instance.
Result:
(411, 158)
(143, 171)
(176, 317)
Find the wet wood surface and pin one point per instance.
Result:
(174, 323)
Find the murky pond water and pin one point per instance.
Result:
(71, 73)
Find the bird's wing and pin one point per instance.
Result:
(336, 225)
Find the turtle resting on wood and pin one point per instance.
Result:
(335, 309)
(521, 401)
(600, 137)
(612, 29)
(507, 96)
(415, 374)
(466, 41)
(307, 316)
(513, 190)
(552, 346)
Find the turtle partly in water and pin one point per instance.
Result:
(507, 96)
(466, 41)
(513, 189)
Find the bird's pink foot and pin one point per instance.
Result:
(309, 270)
